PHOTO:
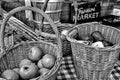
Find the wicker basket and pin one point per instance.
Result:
(66, 48)
(10, 58)
(54, 8)
(94, 63)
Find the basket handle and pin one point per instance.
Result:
(34, 9)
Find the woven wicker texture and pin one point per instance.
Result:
(54, 8)
(94, 63)
(66, 48)
(8, 35)
(11, 57)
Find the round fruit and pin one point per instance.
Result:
(35, 53)
(16, 70)
(43, 71)
(25, 62)
(28, 71)
(39, 64)
(97, 36)
(10, 75)
(48, 61)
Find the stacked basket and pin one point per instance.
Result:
(10, 58)
(93, 63)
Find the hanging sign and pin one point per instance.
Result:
(88, 12)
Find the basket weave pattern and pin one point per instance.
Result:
(66, 48)
(94, 63)
(10, 58)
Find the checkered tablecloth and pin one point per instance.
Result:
(67, 70)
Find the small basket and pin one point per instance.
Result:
(94, 63)
(10, 58)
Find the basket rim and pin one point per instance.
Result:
(55, 67)
(69, 38)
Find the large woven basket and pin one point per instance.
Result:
(10, 58)
(94, 63)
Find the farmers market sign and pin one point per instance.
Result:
(88, 11)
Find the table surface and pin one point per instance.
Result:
(67, 70)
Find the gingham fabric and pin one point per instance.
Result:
(67, 70)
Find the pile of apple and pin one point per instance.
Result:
(36, 64)
(95, 39)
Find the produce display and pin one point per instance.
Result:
(95, 39)
(36, 64)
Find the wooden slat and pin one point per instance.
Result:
(28, 13)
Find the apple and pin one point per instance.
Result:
(43, 71)
(39, 64)
(35, 53)
(48, 61)
(10, 75)
(28, 71)
(16, 70)
(25, 62)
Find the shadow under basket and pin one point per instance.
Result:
(94, 63)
